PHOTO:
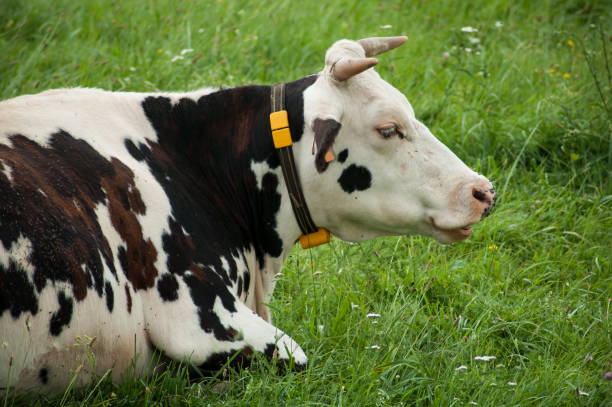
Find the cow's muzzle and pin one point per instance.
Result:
(485, 197)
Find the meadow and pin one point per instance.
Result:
(517, 315)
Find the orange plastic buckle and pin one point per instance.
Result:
(279, 123)
(317, 238)
(279, 120)
(281, 138)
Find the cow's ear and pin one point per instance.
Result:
(325, 133)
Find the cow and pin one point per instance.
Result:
(133, 224)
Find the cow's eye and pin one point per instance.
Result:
(389, 131)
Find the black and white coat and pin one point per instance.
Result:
(132, 223)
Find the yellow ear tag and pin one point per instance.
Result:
(329, 156)
(317, 238)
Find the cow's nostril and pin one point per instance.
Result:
(479, 195)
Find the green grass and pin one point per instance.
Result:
(530, 106)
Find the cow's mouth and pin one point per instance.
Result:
(454, 234)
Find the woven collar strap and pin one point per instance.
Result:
(281, 135)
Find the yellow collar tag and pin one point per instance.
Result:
(317, 238)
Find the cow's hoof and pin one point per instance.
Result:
(288, 349)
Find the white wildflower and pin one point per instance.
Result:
(474, 40)
(374, 347)
(446, 55)
(499, 24)
(385, 27)
(469, 29)
(353, 306)
(582, 393)
(316, 273)
(485, 358)
(468, 49)
(132, 69)
(511, 383)
(462, 367)
(176, 58)
(186, 51)
(201, 30)
(373, 315)
(473, 403)
(321, 328)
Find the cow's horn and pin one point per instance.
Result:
(378, 45)
(347, 67)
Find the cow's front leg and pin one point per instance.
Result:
(200, 320)
(245, 333)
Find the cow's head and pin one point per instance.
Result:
(386, 174)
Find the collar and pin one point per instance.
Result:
(281, 135)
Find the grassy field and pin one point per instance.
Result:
(525, 98)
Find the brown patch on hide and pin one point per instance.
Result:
(197, 271)
(243, 132)
(50, 200)
(124, 202)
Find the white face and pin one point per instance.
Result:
(390, 175)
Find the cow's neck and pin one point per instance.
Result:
(236, 205)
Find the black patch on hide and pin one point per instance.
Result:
(355, 178)
(167, 285)
(62, 316)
